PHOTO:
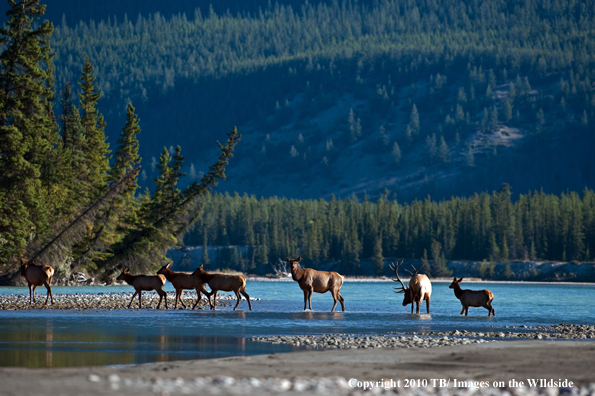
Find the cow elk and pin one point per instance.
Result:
(311, 280)
(224, 282)
(181, 281)
(38, 275)
(473, 298)
(418, 290)
(146, 283)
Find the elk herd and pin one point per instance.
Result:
(309, 280)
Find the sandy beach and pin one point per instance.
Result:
(329, 372)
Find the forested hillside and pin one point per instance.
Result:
(442, 98)
(491, 227)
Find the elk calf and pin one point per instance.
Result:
(216, 282)
(146, 283)
(181, 281)
(37, 275)
(473, 298)
(311, 280)
(419, 289)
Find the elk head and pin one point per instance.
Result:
(455, 283)
(24, 266)
(122, 275)
(403, 289)
(293, 263)
(163, 270)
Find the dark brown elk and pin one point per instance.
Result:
(473, 298)
(181, 281)
(38, 275)
(418, 290)
(146, 283)
(311, 280)
(224, 282)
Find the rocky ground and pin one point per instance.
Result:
(11, 302)
(563, 330)
(350, 341)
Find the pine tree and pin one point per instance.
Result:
(26, 126)
(377, 258)
(414, 121)
(97, 148)
(443, 151)
(396, 153)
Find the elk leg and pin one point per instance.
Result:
(463, 310)
(335, 304)
(140, 304)
(214, 306)
(34, 287)
(466, 310)
(132, 299)
(47, 286)
(162, 296)
(310, 292)
(305, 299)
(239, 299)
(342, 301)
(181, 300)
(428, 304)
(50, 288)
(247, 298)
(30, 295)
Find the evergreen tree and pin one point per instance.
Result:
(97, 148)
(377, 258)
(443, 151)
(396, 153)
(26, 127)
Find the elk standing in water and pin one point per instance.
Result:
(473, 298)
(181, 281)
(311, 280)
(216, 282)
(37, 275)
(419, 289)
(144, 282)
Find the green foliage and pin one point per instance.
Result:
(483, 226)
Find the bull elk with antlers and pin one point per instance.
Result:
(37, 275)
(473, 298)
(418, 290)
(311, 280)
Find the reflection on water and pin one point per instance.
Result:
(54, 345)
(53, 338)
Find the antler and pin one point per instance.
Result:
(415, 273)
(395, 268)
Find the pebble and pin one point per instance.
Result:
(351, 341)
(109, 301)
(561, 331)
(334, 385)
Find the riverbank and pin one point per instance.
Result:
(110, 300)
(336, 372)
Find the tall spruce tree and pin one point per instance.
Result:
(26, 126)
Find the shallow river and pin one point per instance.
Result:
(50, 338)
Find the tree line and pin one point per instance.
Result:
(65, 199)
(536, 226)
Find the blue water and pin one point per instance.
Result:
(52, 338)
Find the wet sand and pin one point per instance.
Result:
(326, 371)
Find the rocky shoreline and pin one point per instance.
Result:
(561, 331)
(109, 301)
(351, 341)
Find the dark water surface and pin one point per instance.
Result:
(53, 338)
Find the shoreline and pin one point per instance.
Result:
(331, 371)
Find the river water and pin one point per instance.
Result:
(54, 338)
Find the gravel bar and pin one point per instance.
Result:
(561, 331)
(350, 341)
(110, 300)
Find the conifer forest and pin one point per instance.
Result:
(335, 130)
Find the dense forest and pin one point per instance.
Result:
(66, 199)
(425, 95)
(537, 226)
